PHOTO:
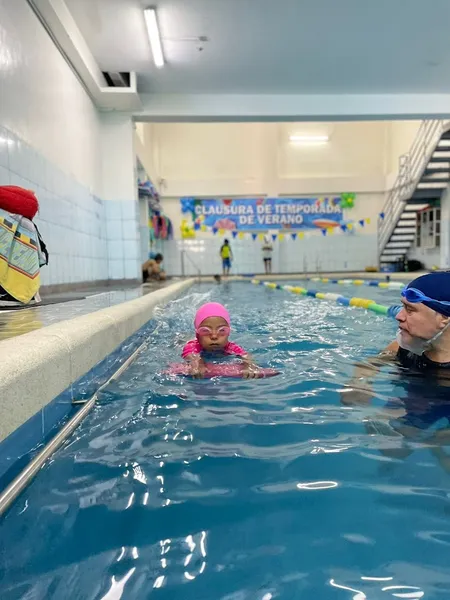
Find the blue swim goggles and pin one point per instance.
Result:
(414, 296)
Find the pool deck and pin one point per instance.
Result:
(64, 306)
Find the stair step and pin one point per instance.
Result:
(402, 237)
(446, 135)
(442, 149)
(438, 158)
(407, 228)
(440, 179)
(415, 206)
(430, 170)
(431, 185)
(426, 193)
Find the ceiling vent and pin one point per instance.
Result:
(116, 79)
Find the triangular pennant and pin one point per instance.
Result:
(350, 226)
(294, 236)
(301, 235)
(324, 232)
(221, 231)
(234, 234)
(261, 236)
(344, 228)
(241, 235)
(274, 236)
(382, 215)
(254, 236)
(361, 222)
(367, 221)
(214, 230)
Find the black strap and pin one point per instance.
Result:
(42, 244)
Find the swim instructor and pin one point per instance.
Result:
(423, 337)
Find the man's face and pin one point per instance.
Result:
(418, 321)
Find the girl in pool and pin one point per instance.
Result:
(212, 328)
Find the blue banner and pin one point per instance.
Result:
(247, 214)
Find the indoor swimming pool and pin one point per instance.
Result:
(228, 489)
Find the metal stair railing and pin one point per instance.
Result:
(411, 168)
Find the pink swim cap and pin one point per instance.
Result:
(211, 309)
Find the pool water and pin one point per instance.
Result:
(242, 490)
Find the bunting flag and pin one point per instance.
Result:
(221, 231)
(367, 221)
(241, 235)
(261, 236)
(196, 226)
(281, 237)
(330, 231)
(350, 226)
(381, 215)
(214, 230)
(294, 236)
(361, 222)
(324, 232)
(274, 236)
(344, 228)
(254, 236)
(234, 234)
(204, 228)
(301, 235)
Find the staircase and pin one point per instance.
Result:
(424, 174)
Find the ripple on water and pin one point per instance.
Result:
(240, 490)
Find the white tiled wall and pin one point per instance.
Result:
(339, 252)
(122, 227)
(71, 219)
(54, 141)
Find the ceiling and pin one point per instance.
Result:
(282, 47)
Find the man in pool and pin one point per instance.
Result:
(422, 346)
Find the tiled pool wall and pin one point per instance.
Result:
(44, 371)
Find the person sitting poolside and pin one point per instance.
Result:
(151, 269)
(212, 328)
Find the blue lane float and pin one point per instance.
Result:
(365, 303)
(390, 285)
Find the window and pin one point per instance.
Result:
(428, 228)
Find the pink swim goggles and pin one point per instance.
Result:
(224, 330)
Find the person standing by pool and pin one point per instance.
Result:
(267, 250)
(227, 256)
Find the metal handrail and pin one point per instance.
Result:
(411, 168)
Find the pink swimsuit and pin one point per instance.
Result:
(193, 347)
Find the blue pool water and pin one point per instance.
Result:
(243, 490)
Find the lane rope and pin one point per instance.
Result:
(366, 303)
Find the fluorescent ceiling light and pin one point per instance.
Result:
(154, 37)
(309, 140)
